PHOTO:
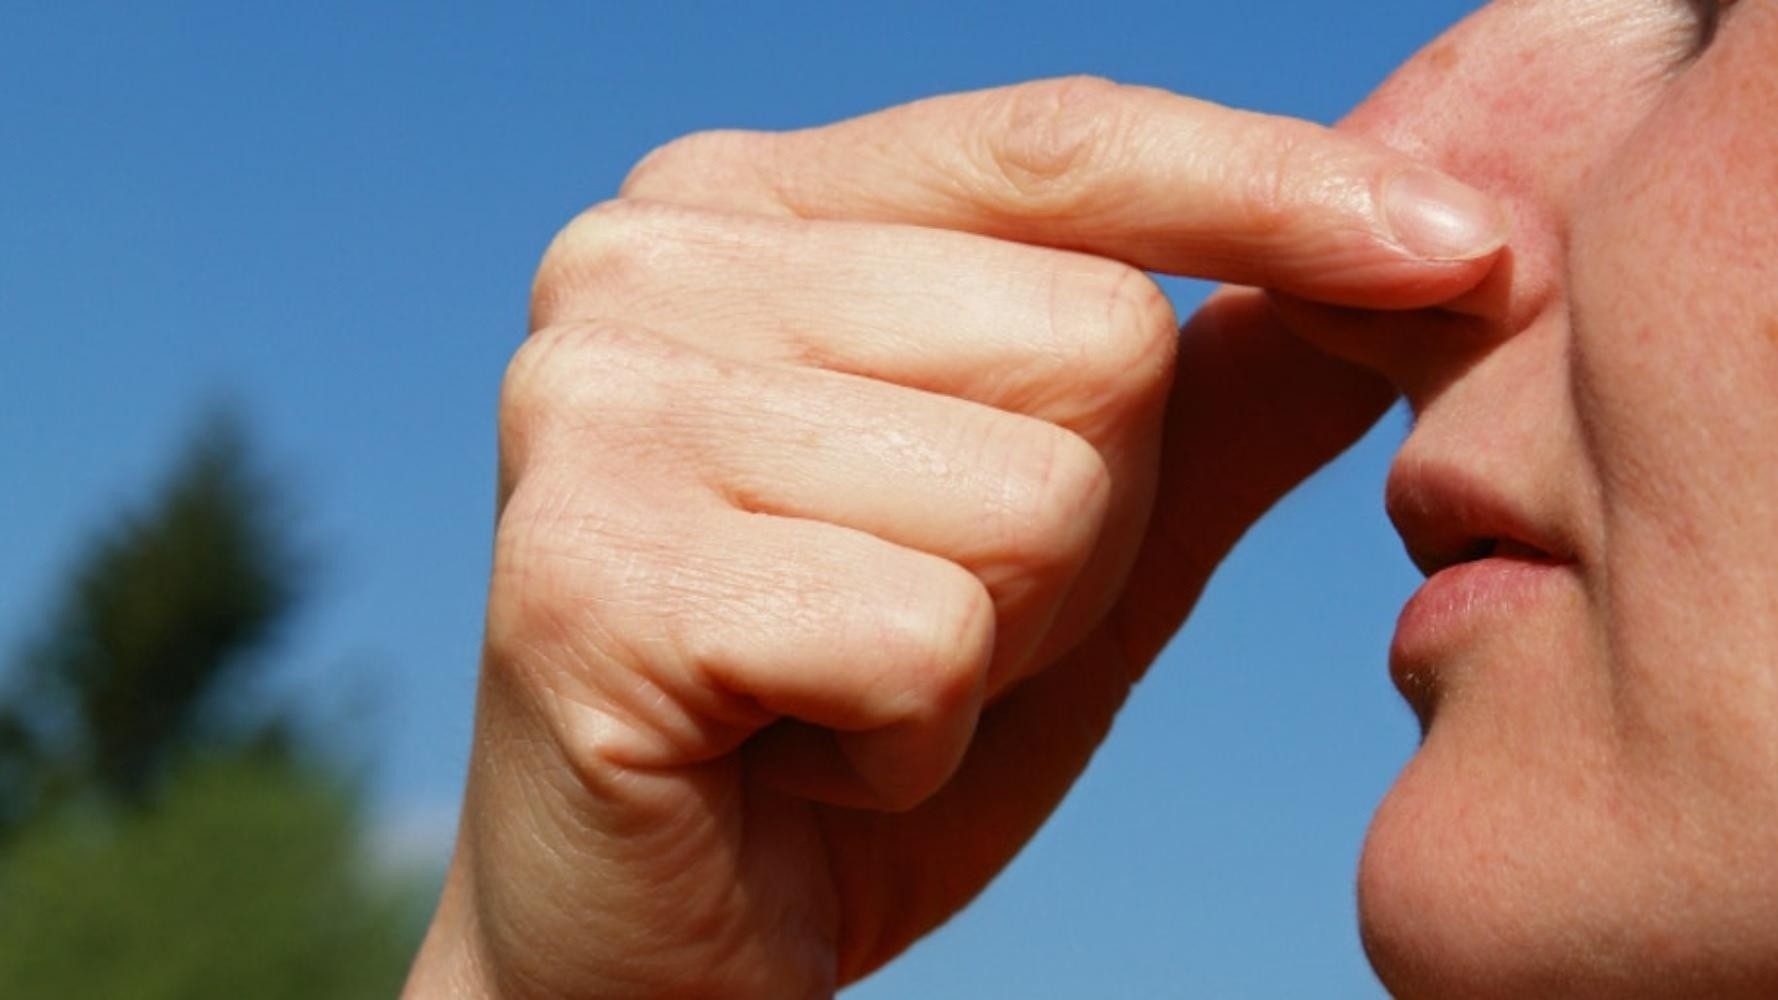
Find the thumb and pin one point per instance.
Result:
(1254, 411)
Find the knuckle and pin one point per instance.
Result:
(1067, 493)
(688, 165)
(526, 405)
(538, 375)
(714, 610)
(1269, 191)
(1142, 330)
(595, 251)
(1045, 139)
(563, 630)
(531, 587)
(944, 639)
(1121, 335)
(569, 376)
(523, 600)
(1052, 490)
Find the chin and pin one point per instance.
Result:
(1478, 879)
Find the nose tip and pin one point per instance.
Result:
(1428, 112)
(1526, 103)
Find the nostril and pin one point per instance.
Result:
(1419, 351)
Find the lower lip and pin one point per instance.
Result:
(1455, 604)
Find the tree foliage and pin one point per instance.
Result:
(244, 880)
(161, 609)
(150, 845)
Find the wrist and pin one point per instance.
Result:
(451, 960)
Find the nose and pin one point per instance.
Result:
(1525, 100)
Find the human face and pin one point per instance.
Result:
(1594, 808)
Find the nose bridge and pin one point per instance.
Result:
(1514, 97)
(1530, 101)
(1526, 99)
(1485, 102)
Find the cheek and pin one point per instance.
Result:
(1618, 832)
(1674, 298)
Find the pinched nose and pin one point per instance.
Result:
(1526, 102)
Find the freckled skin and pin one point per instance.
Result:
(1441, 58)
(1591, 811)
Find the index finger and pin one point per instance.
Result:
(1162, 182)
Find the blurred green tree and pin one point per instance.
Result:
(159, 612)
(244, 880)
(154, 844)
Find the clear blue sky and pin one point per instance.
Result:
(331, 214)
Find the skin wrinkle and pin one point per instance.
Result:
(1645, 475)
(1673, 426)
(1590, 810)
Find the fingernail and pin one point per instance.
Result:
(1435, 217)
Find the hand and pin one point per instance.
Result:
(825, 554)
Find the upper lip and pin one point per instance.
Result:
(1446, 516)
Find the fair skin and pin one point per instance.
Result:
(1591, 812)
(851, 477)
